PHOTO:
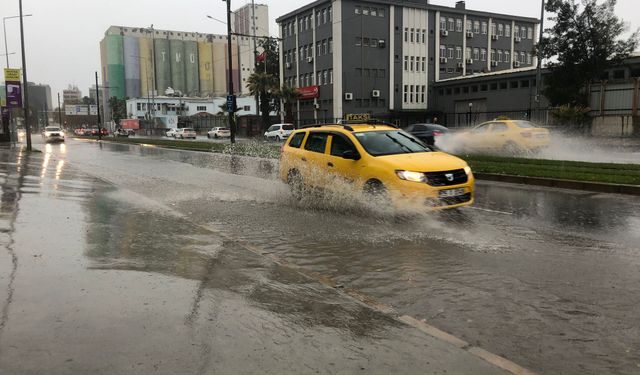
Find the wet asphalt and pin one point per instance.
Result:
(121, 259)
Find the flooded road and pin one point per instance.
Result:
(545, 278)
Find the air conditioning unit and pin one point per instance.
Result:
(287, 65)
(348, 96)
(460, 65)
(516, 64)
(494, 63)
(309, 59)
(443, 60)
(469, 61)
(494, 37)
(444, 33)
(469, 34)
(375, 93)
(381, 43)
(518, 39)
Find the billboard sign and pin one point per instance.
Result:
(13, 87)
(76, 110)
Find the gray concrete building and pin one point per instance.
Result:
(383, 57)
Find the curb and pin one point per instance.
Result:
(598, 187)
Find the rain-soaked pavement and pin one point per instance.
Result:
(122, 258)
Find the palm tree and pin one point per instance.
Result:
(288, 95)
(263, 85)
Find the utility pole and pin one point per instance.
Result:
(24, 79)
(59, 112)
(231, 99)
(255, 50)
(98, 104)
(539, 67)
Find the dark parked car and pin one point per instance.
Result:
(427, 133)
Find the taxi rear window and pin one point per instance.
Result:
(296, 140)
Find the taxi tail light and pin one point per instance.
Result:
(437, 133)
(526, 134)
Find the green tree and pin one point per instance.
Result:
(118, 109)
(288, 95)
(583, 42)
(87, 100)
(269, 56)
(264, 86)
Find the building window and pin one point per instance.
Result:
(443, 51)
(324, 16)
(358, 43)
(452, 24)
(443, 23)
(331, 76)
(324, 47)
(201, 108)
(450, 51)
(358, 11)
(507, 30)
(330, 45)
(424, 89)
(516, 31)
(523, 32)
(493, 28)
(476, 54)
(493, 55)
(374, 12)
(500, 30)
(459, 25)
(424, 64)
(406, 34)
(522, 57)
(469, 25)
(330, 14)
(467, 52)
(365, 42)
(406, 63)
(411, 93)
(507, 56)
(319, 79)
(458, 53)
(412, 33)
(381, 12)
(499, 55)
(325, 76)
(139, 106)
(530, 33)
(484, 27)
(476, 27)
(424, 36)
(411, 65)
(406, 89)
(529, 59)
(365, 11)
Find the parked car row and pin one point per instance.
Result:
(90, 131)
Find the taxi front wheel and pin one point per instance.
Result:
(296, 184)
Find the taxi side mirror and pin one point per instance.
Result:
(351, 155)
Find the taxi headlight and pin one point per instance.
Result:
(467, 170)
(411, 176)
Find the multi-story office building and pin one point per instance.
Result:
(252, 20)
(382, 57)
(72, 95)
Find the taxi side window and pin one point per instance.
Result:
(480, 129)
(499, 128)
(296, 140)
(339, 145)
(316, 142)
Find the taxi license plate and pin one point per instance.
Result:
(450, 193)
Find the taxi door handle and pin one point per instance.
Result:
(304, 159)
(330, 164)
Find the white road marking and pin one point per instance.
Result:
(488, 210)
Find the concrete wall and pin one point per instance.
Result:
(613, 126)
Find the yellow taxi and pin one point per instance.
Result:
(375, 160)
(509, 136)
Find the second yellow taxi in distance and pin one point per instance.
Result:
(507, 136)
(376, 160)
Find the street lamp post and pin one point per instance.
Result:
(231, 100)
(25, 104)
(59, 112)
(98, 104)
(4, 27)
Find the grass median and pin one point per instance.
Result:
(628, 174)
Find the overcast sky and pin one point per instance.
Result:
(62, 37)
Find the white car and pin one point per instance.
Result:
(171, 132)
(279, 132)
(219, 133)
(183, 133)
(53, 134)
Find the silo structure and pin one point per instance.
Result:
(220, 68)
(177, 65)
(132, 67)
(115, 65)
(163, 65)
(192, 77)
(145, 48)
(205, 66)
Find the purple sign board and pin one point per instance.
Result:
(14, 94)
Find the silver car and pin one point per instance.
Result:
(53, 134)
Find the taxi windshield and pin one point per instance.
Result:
(390, 142)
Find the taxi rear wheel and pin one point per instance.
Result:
(375, 191)
(511, 148)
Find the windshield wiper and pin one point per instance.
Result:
(416, 142)
(410, 151)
